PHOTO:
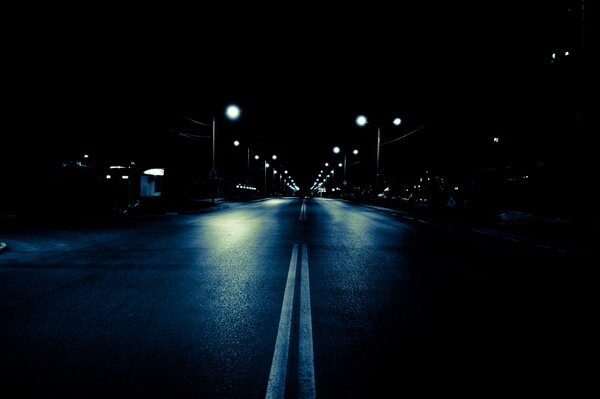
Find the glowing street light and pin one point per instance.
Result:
(266, 166)
(337, 150)
(233, 112)
(362, 121)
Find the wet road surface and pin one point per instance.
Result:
(290, 298)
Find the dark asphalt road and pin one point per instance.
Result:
(197, 306)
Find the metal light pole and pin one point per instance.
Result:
(337, 150)
(232, 113)
(362, 121)
(236, 143)
(248, 169)
(265, 185)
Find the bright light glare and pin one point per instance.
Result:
(326, 163)
(256, 157)
(340, 165)
(267, 165)
(336, 150)
(124, 177)
(274, 157)
(355, 152)
(232, 112)
(236, 143)
(361, 120)
(155, 172)
(397, 121)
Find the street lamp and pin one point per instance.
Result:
(266, 166)
(337, 150)
(232, 112)
(362, 121)
(237, 143)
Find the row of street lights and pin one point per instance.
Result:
(288, 180)
(361, 121)
(233, 113)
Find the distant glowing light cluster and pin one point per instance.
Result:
(245, 187)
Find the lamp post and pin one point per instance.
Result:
(274, 158)
(266, 166)
(236, 143)
(337, 150)
(232, 112)
(361, 121)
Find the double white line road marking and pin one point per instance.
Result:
(303, 211)
(306, 368)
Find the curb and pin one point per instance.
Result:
(3, 247)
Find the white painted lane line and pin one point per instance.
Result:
(276, 386)
(306, 363)
(303, 211)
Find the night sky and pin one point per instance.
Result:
(116, 82)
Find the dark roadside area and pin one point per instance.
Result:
(97, 215)
(562, 233)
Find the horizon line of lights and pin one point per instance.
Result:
(245, 187)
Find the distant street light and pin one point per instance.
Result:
(266, 166)
(233, 112)
(362, 121)
(237, 144)
(337, 150)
